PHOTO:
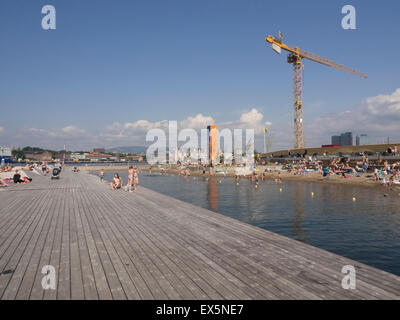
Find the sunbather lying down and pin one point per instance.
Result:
(3, 184)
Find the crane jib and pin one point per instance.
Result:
(277, 45)
(295, 58)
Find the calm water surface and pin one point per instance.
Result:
(366, 230)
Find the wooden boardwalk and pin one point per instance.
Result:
(115, 245)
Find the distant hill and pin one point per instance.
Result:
(131, 150)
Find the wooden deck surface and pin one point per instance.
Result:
(116, 245)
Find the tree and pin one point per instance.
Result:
(256, 156)
(18, 154)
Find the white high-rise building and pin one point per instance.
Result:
(362, 139)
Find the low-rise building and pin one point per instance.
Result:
(134, 158)
(96, 156)
(78, 156)
(39, 156)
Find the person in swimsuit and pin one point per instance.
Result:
(130, 179)
(116, 183)
(3, 184)
(101, 175)
(44, 169)
(135, 179)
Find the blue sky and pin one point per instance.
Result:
(118, 62)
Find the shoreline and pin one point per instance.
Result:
(312, 177)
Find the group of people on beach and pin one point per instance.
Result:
(17, 178)
(380, 170)
(7, 168)
(118, 183)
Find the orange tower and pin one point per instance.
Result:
(212, 143)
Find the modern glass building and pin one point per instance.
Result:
(345, 139)
(362, 139)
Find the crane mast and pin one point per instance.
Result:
(298, 99)
(295, 58)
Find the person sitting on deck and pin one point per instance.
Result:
(116, 183)
(8, 168)
(17, 178)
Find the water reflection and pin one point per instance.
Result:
(299, 202)
(212, 193)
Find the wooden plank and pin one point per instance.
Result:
(183, 259)
(113, 281)
(20, 255)
(64, 276)
(102, 285)
(115, 245)
(37, 291)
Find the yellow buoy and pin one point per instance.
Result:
(312, 194)
(280, 189)
(354, 198)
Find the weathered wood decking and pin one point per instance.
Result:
(116, 245)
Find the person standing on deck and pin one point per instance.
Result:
(101, 175)
(44, 168)
(135, 179)
(131, 174)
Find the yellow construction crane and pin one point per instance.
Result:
(295, 56)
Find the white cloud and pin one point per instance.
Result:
(129, 133)
(72, 130)
(384, 105)
(252, 119)
(377, 116)
(197, 122)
